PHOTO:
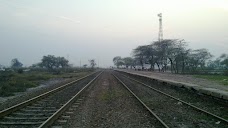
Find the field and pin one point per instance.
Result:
(217, 78)
(12, 82)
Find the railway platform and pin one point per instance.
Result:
(200, 85)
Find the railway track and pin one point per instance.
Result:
(41, 111)
(143, 104)
(107, 103)
(127, 81)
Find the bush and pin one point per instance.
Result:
(8, 89)
(6, 76)
(20, 71)
(38, 77)
(226, 72)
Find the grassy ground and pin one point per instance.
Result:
(11, 82)
(217, 78)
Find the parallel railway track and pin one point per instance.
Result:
(143, 104)
(45, 109)
(41, 111)
(221, 119)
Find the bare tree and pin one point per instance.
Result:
(92, 63)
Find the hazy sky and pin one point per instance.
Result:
(102, 29)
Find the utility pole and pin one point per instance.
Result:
(160, 33)
(160, 38)
(80, 62)
(98, 62)
(68, 61)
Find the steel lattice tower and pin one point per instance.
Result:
(160, 33)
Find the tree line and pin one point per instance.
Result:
(173, 55)
(49, 62)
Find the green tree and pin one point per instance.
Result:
(48, 62)
(36, 65)
(128, 61)
(197, 59)
(163, 50)
(15, 63)
(118, 61)
(61, 62)
(224, 60)
(51, 62)
(214, 64)
(172, 54)
(176, 54)
(140, 55)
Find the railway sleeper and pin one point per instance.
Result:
(25, 118)
(56, 126)
(34, 107)
(21, 123)
(31, 114)
(38, 110)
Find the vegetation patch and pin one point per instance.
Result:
(17, 78)
(11, 82)
(222, 79)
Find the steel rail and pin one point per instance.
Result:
(147, 108)
(41, 96)
(197, 108)
(55, 116)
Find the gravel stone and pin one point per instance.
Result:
(174, 113)
(45, 86)
(108, 104)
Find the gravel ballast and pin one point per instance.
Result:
(107, 103)
(174, 113)
(46, 106)
(6, 102)
(211, 104)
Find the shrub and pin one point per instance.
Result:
(9, 88)
(6, 90)
(20, 71)
(226, 72)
